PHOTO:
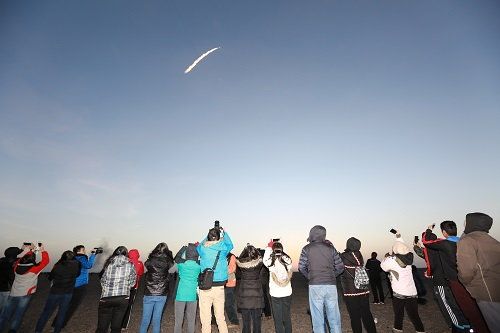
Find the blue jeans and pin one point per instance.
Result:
(152, 306)
(4, 296)
(321, 298)
(53, 301)
(14, 309)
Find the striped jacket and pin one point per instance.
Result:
(118, 277)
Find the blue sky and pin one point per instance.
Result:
(359, 116)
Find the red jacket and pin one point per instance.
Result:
(139, 266)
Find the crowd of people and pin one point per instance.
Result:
(207, 277)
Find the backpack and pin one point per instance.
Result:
(206, 278)
(361, 279)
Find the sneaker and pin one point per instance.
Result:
(232, 325)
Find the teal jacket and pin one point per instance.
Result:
(208, 252)
(188, 281)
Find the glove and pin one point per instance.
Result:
(197, 243)
(270, 244)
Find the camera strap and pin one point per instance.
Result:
(216, 260)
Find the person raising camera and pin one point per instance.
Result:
(213, 250)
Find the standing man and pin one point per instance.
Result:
(320, 263)
(7, 273)
(478, 259)
(81, 281)
(374, 271)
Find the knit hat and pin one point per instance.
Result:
(12, 252)
(400, 248)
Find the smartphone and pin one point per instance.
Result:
(40, 244)
(393, 231)
(276, 239)
(217, 224)
(27, 243)
(415, 240)
(433, 225)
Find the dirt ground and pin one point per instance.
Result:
(85, 320)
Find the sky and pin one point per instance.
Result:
(360, 116)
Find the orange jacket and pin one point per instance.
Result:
(231, 270)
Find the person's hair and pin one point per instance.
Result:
(450, 227)
(374, 255)
(78, 248)
(279, 254)
(249, 253)
(119, 251)
(66, 256)
(213, 234)
(162, 250)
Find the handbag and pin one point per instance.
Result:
(206, 278)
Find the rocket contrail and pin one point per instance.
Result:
(200, 58)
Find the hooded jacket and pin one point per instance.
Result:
(432, 260)
(189, 269)
(63, 276)
(279, 272)
(86, 264)
(400, 270)
(447, 250)
(250, 292)
(7, 268)
(118, 277)
(157, 277)
(352, 258)
(26, 275)
(138, 265)
(478, 258)
(208, 252)
(319, 261)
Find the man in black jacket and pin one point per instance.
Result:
(320, 263)
(7, 273)
(374, 271)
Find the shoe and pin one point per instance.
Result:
(395, 330)
(232, 325)
(381, 303)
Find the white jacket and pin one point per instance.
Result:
(401, 278)
(280, 272)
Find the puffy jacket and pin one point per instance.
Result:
(63, 276)
(250, 293)
(138, 265)
(478, 259)
(157, 276)
(208, 252)
(26, 275)
(118, 277)
(280, 284)
(319, 261)
(86, 264)
(351, 258)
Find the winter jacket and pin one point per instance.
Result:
(401, 276)
(86, 264)
(250, 293)
(352, 258)
(478, 258)
(118, 277)
(186, 261)
(447, 249)
(26, 275)
(373, 268)
(433, 261)
(138, 265)
(319, 261)
(231, 271)
(157, 277)
(63, 276)
(208, 252)
(280, 284)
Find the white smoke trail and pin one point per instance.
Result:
(200, 58)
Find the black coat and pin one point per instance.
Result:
(157, 277)
(63, 276)
(250, 293)
(347, 277)
(6, 273)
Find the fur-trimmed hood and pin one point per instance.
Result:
(248, 264)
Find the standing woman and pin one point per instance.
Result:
(250, 293)
(139, 270)
(160, 260)
(117, 277)
(280, 287)
(63, 277)
(356, 300)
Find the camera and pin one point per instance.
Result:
(27, 243)
(393, 231)
(98, 250)
(415, 240)
(216, 224)
(276, 240)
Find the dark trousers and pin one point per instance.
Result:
(251, 317)
(76, 300)
(469, 307)
(399, 306)
(229, 305)
(267, 299)
(128, 312)
(60, 301)
(111, 311)
(377, 290)
(359, 311)
(450, 309)
(281, 314)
